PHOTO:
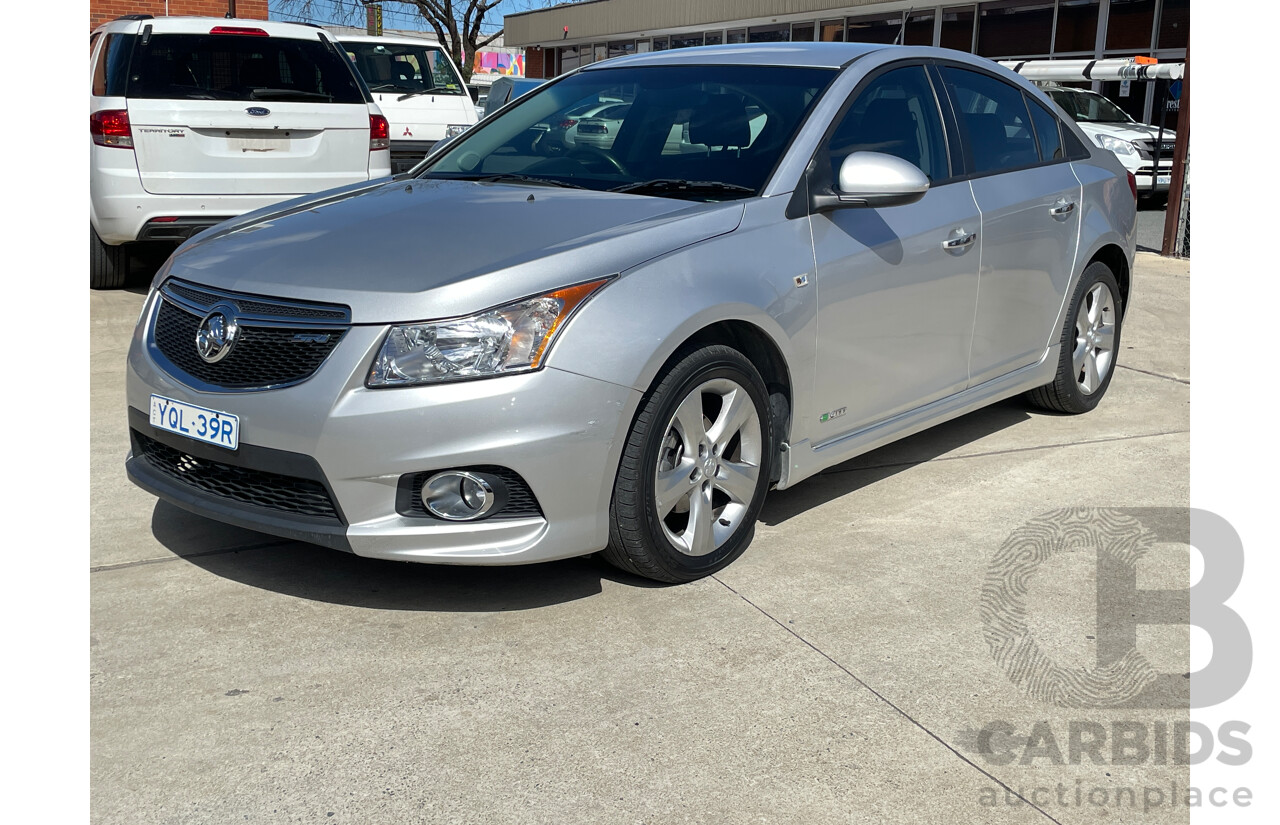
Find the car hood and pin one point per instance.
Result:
(1128, 131)
(422, 249)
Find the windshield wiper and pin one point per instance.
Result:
(265, 94)
(678, 186)
(382, 87)
(500, 177)
(423, 92)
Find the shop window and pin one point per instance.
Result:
(920, 29)
(1175, 24)
(769, 34)
(570, 59)
(957, 28)
(874, 28)
(1129, 25)
(622, 48)
(802, 32)
(713, 38)
(1012, 28)
(736, 36)
(660, 44)
(684, 41)
(1077, 26)
(831, 31)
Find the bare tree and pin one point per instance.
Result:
(456, 23)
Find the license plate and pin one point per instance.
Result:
(200, 423)
(257, 145)
(1163, 180)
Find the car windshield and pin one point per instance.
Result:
(238, 67)
(1088, 107)
(695, 132)
(404, 67)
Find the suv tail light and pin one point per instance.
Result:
(379, 133)
(1133, 185)
(110, 127)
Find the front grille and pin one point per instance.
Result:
(519, 503)
(402, 160)
(262, 356)
(285, 494)
(251, 306)
(280, 342)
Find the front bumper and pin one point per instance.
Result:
(562, 433)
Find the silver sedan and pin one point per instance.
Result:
(785, 256)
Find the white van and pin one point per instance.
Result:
(418, 88)
(194, 120)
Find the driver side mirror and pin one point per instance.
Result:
(873, 179)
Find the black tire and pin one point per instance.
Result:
(1065, 393)
(108, 265)
(638, 541)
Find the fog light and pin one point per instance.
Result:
(457, 496)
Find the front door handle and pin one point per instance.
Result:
(959, 240)
(1063, 207)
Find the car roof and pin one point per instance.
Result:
(815, 55)
(202, 25)
(390, 38)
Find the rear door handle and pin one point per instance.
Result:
(1063, 207)
(961, 240)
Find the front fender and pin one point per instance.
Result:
(758, 274)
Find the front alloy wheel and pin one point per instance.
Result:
(694, 470)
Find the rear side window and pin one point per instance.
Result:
(111, 71)
(243, 68)
(994, 118)
(1048, 132)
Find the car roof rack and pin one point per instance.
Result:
(136, 17)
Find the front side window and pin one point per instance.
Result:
(994, 119)
(896, 114)
(241, 67)
(649, 130)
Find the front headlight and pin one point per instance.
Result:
(1115, 144)
(508, 339)
(455, 129)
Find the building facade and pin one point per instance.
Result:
(564, 37)
(100, 11)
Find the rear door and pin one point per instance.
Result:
(245, 114)
(1030, 207)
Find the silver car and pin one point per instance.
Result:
(789, 255)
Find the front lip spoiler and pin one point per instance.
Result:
(297, 527)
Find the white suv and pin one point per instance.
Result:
(417, 87)
(1110, 127)
(195, 120)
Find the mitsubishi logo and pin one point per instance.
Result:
(217, 334)
(407, 133)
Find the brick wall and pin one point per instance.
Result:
(533, 62)
(100, 11)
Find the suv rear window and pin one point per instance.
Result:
(241, 67)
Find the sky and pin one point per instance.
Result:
(394, 15)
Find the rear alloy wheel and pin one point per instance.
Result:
(1090, 341)
(694, 471)
(108, 265)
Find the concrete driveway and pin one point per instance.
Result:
(838, 672)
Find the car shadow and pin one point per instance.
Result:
(885, 462)
(316, 573)
(320, 574)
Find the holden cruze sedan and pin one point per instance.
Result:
(788, 255)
